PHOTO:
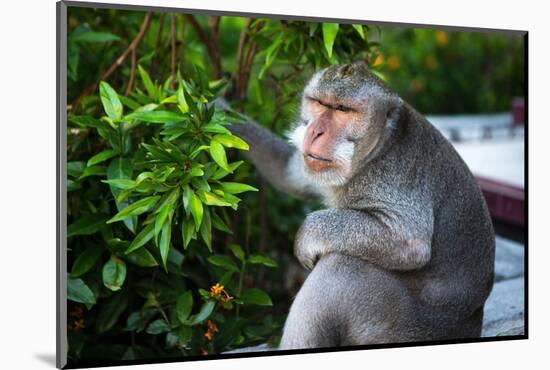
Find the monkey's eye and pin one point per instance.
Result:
(343, 108)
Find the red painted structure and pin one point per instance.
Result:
(506, 202)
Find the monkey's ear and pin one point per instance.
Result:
(394, 113)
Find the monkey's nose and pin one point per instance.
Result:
(316, 134)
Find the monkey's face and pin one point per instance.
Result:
(344, 114)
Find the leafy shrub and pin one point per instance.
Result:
(167, 195)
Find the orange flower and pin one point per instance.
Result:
(212, 329)
(393, 63)
(379, 60)
(212, 326)
(442, 38)
(216, 289)
(209, 335)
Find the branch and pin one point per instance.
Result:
(245, 66)
(211, 45)
(132, 73)
(118, 62)
(240, 51)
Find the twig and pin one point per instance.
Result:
(211, 45)
(246, 69)
(118, 62)
(132, 73)
(174, 50)
(240, 51)
(246, 66)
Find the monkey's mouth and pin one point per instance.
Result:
(317, 158)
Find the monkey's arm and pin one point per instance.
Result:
(277, 160)
(395, 240)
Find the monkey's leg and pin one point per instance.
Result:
(348, 301)
(313, 320)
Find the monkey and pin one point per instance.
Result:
(404, 251)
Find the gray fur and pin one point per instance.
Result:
(405, 251)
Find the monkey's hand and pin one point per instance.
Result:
(309, 245)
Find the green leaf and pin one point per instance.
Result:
(93, 171)
(184, 305)
(110, 312)
(86, 121)
(156, 116)
(216, 128)
(142, 238)
(111, 102)
(149, 85)
(101, 156)
(157, 327)
(219, 224)
(185, 334)
(270, 55)
(220, 173)
(188, 232)
(223, 261)
(359, 29)
(135, 209)
(263, 260)
(218, 154)
(164, 244)
(196, 171)
(121, 183)
(121, 168)
(161, 218)
(195, 206)
(231, 141)
(75, 168)
(138, 320)
(130, 103)
(206, 229)
(201, 184)
(256, 296)
(203, 314)
(86, 260)
(212, 199)
(236, 188)
(78, 291)
(92, 36)
(142, 257)
(186, 197)
(330, 30)
(237, 251)
(87, 225)
(114, 273)
(183, 106)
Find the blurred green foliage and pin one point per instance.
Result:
(453, 72)
(171, 252)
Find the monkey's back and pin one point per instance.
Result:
(460, 272)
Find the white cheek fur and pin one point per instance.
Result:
(296, 136)
(344, 151)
